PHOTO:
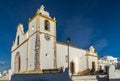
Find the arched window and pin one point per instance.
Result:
(72, 67)
(47, 25)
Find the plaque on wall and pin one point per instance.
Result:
(47, 37)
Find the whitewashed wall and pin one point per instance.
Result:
(47, 47)
(23, 54)
(92, 59)
(31, 54)
(114, 74)
(46, 52)
(52, 26)
(22, 38)
(76, 55)
(32, 26)
(21, 49)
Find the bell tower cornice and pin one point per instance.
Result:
(42, 13)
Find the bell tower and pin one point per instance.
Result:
(42, 38)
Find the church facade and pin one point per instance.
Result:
(37, 49)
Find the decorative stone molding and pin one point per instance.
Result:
(17, 63)
(55, 57)
(91, 52)
(37, 53)
(42, 11)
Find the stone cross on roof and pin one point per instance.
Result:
(42, 11)
(92, 49)
(42, 7)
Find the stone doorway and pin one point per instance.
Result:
(100, 67)
(93, 66)
(17, 63)
(72, 67)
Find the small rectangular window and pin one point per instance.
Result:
(66, 58)
(18, 40)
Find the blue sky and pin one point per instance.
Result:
(86, 22)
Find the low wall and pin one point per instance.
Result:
(84, 78)
(90, 78)
(41, 77)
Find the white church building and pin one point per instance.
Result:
(37, 49)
